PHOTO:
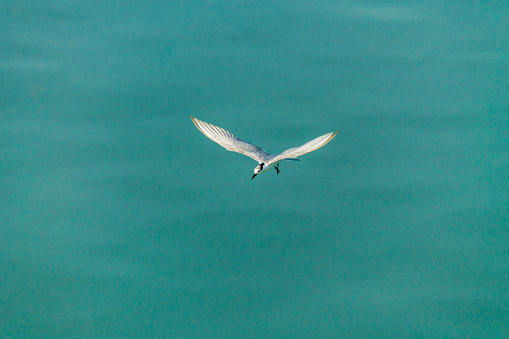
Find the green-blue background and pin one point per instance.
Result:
(120, 219)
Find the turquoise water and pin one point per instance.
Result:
(120, 219)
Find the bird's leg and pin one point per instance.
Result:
(277, 169)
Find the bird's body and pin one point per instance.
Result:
(265, 160)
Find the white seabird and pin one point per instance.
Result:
(265, 160)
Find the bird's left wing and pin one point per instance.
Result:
(310, 146)
(229, 141)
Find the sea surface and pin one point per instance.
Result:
(119, 219)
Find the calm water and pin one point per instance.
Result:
(120, 219)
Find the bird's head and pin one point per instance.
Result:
(257, 170)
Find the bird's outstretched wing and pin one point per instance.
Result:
(310, 146)
(229, 141)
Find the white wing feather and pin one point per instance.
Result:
(229, 141)
(310, 146)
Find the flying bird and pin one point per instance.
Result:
(265, 160)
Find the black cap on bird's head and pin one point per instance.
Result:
(257, 170)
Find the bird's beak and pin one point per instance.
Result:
(254, 175)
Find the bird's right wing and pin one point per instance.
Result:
(229, 141)
(310, 146)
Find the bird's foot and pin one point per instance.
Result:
(277, 169)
